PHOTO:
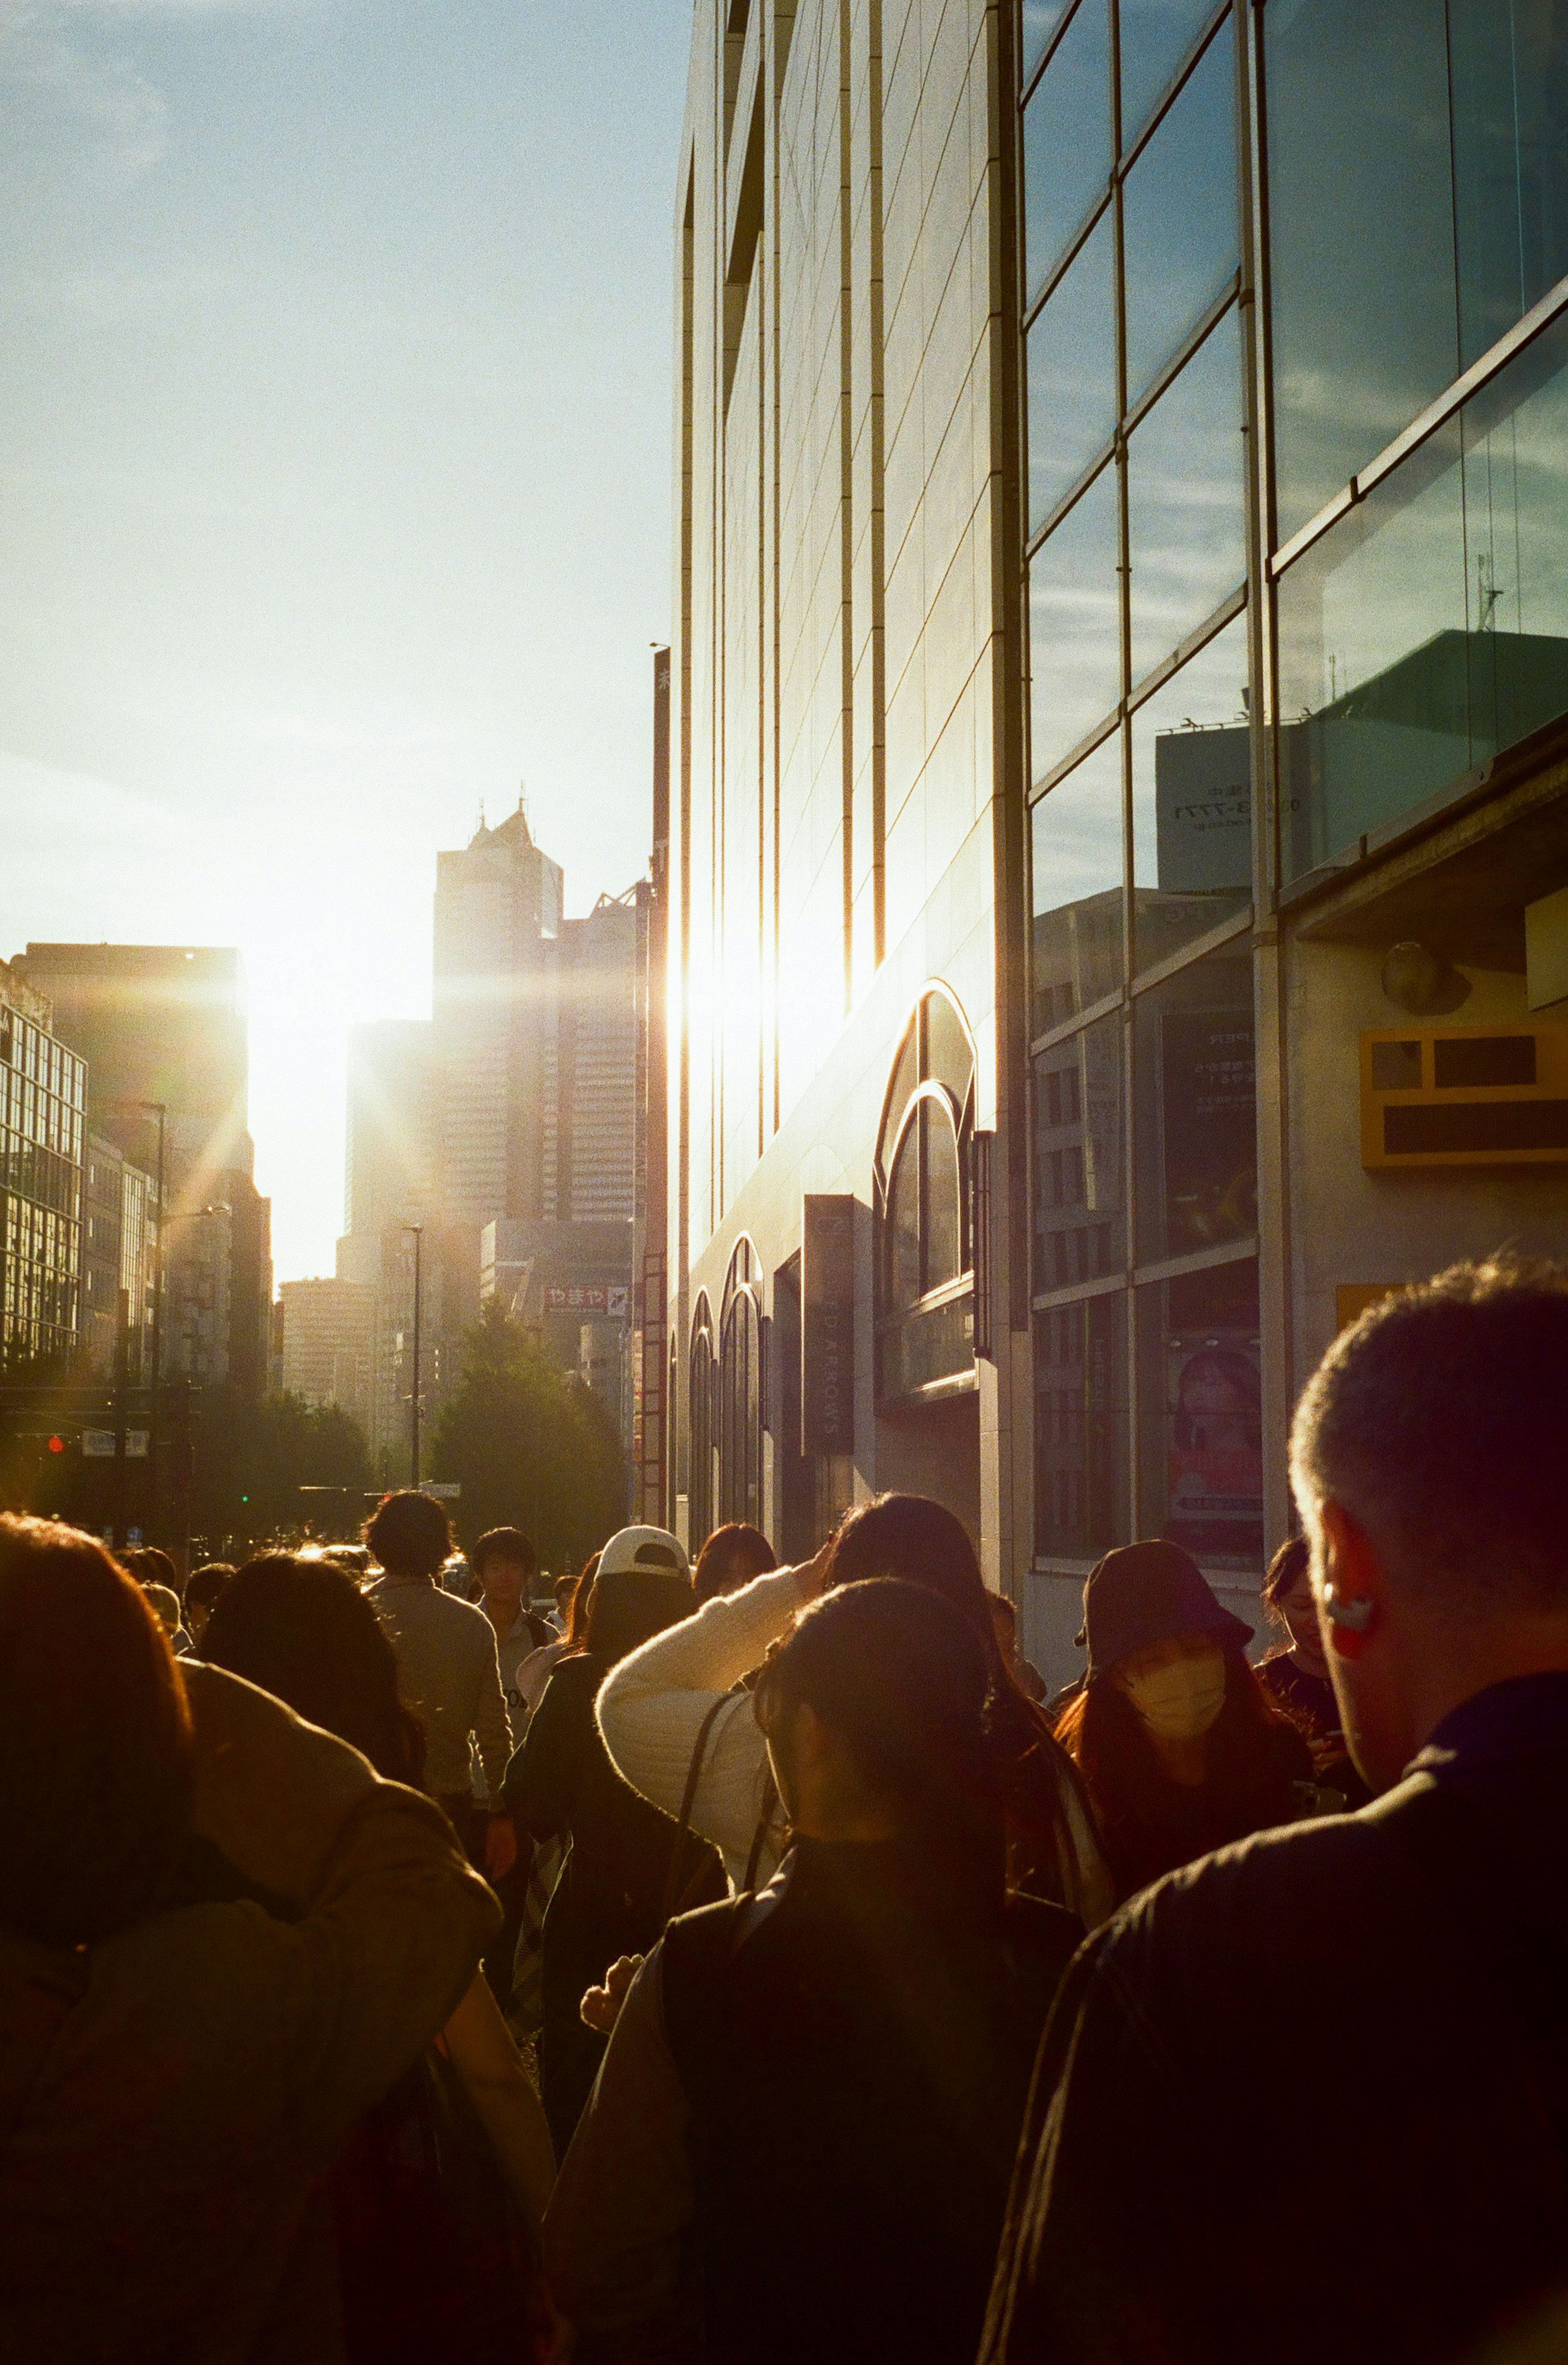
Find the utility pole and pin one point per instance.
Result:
(419, 1232)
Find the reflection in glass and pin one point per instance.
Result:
(1509, 80)
(1185, 500)
(1081, 1230)
(1192, 801)
(1428, 629)
(903, 1226)
(1041, 19)
(1075, 652)
(1156, 35)
(1081, 1428)
(1072, 372)
(1194, 1112)
(944, 1227)
(1067, 138)
(1362, 234)
(1179, 234)
(1078, 925)
(1199, 1415)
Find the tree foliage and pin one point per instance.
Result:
(530, 1445)
(252, 1457)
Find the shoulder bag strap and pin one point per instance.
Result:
(673, 1883)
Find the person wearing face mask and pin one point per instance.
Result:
(1180, 1749)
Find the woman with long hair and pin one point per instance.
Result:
(842, 2062)
(1179, 1746)
(677, 1718)
(423, 2254)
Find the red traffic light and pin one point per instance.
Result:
(57, 1445)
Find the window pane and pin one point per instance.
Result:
(1072, 372)
(1179, 217)
(903, 1226)
(1041, 19)
(1509, 80)
(1078, 927)
(1081, 1229)
(1193, 1109)
(1067, 138)
(1192, 801)
(1185, 494)
(1075, 655)
(1362, 234)
(1429, 628)
(1200, 1423)
(944, 1259)
(1081, 1428)
(1156, 35)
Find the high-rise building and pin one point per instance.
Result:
(163, 1030)
(497, 908)
(43, 1088)
(120, 1262)
(329, 1344)
(1119, 825)
(505, 1127)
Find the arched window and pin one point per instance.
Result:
(925, 1282)
(699, 1427)
(740, 1392)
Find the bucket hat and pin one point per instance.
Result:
(1145, 1593)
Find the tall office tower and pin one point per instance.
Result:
(119, 1261)
(329, 1344)
(591, 1051)
(498, 906)
(42, 1100)
(163, 1030)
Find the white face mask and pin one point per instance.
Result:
(1181, 1702)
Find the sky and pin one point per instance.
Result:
(334, 486)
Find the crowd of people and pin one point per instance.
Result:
(724, 1962)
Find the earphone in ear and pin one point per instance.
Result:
(1355, 1617)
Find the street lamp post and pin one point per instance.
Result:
(419, 1232)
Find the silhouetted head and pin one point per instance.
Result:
(95, 1749)
(408, 1533)
(732, 1556)
(303, 1630)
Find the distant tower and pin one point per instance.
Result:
(497, 904)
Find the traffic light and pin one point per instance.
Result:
(57, 1445)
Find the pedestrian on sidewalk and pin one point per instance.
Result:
(799, 2144)
(732, 1556)
(1404, 1966)
(447, 1662)
(1180, 1748)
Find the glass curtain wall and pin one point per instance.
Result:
(1418, 209)
(1142, 1121)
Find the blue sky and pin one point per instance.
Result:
(334, 485)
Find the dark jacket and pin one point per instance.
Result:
(1409, 1964)
(855, 2062)
(609, 1899)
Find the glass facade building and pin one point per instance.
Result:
(1122, 623)
(43, 1094)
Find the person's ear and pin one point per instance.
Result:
(1348, 1582)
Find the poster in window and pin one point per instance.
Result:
(1215, 1460)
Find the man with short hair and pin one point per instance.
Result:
(447, 1665)
(1309, 2097)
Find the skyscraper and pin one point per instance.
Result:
(498, 906)
(163, 1030)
